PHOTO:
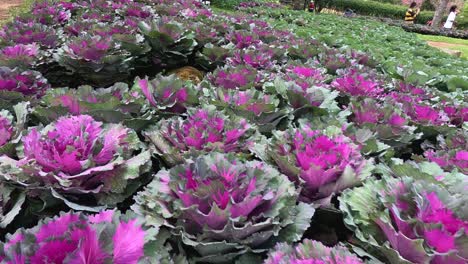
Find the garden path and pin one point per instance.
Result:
(5, 5)
(446, 47)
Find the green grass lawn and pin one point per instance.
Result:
(463, 49)
(444, 39)
(17, 10)
(23, 8)
(456, 44)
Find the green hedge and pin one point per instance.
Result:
(226, 4)
(426, 5)
(462, 19)
(378, 9)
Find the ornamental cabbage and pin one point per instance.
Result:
(12, 127)
(305, 76)
(243, 39)
(274, 38)
(81, 161)
(422, 112)
(457, 113)
(257, 107)
(135, 9)
(26, 83)
(320, 164)
(411, 90)
(240, 77)
(213, 56)
(100, 60)
(299, 94)
(257, 59)
(85, 98)
(204, 130)
(98, 16)
(6, 129)
(113, 105)
(304, 86)
(107, 237)
(171, 43)
(103, 5)
(18, 32)
(450, 152)
(166, 93)
(206, 34)
(409, 220)
(223, 207)
(50, 13)
(334, 60)
(19, 55)
(252, 101)
(311, 252)
(190, 13)
(303, 52)
(355, 84)
(426, 114)
(116, 28)
(389, 122)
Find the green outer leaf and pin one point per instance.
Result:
(159, 208)
(360, 206)
(75, 206)
(21, 112)
(301, 222)
(15, 204)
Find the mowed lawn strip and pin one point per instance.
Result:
(448, 43)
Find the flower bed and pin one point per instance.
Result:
(410, 60)
(265, 146)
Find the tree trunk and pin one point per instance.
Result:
(318, 5)
(306, 4)
(439, 13)
(298, 4)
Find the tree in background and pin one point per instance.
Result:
(408, 2)
(441, 8)
(319, 5)
(297, 4)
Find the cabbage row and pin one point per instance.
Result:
(157, 131)
(398, 53)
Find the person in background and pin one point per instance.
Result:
(411, 13)
(451, 17)
(311, 6)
